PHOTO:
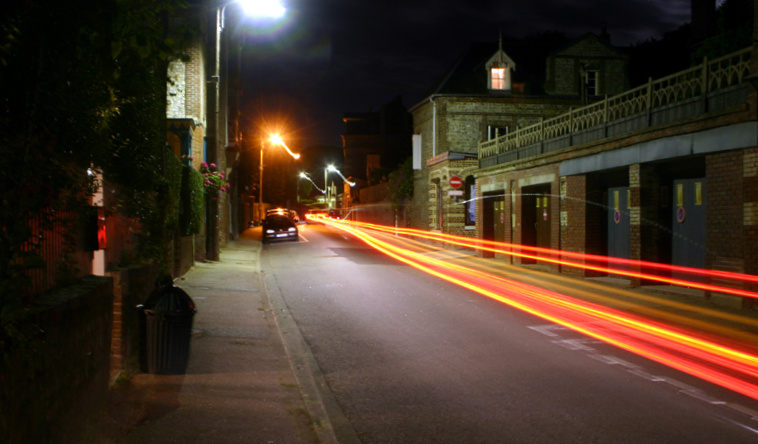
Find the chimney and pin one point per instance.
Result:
(604, 36)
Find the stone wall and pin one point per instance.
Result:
(59, 374)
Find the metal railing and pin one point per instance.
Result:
(708, 77)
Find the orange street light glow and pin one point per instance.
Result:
(275, 138)
(718, 360)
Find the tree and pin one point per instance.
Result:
(83, 89)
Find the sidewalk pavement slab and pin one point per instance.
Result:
(239, 386)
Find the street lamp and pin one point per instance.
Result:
(307, 177)
(327, 199)
(333, 169)
(275, 139)
(263, 8)
(217, 117)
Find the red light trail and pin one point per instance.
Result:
(717, 359)
(552, 256)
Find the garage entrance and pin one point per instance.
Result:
(536, 215)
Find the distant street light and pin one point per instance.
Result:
(335, 170)
(307, 177)
(275, 139)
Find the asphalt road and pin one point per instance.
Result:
(404, 357)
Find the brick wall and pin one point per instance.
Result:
(564, 67)
(750, 196)
(131, 287)
(573, 218)
(724, 176)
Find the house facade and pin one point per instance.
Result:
(662, 173)
(186, 125)
(493, 90)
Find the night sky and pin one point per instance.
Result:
(327, 57)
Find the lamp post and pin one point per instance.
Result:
(307, 177)
(327, 200)
(217, 118)
(278, 141)
(333, 169)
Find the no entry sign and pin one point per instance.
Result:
(456, 182)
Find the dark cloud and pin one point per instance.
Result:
(335, 56)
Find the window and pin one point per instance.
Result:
(493, 132)
(417, 151)
(591, 82)
(470, 201)
(500, 70)
(497, 78)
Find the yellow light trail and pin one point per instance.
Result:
(717, 360)
(508, 249)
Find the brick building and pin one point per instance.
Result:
(493, 90)
(664, 173)
(186, 125)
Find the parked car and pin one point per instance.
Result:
(314, 216)
(278, 227)
(287, 212)
(277, 211)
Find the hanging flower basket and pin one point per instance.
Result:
(214, 181)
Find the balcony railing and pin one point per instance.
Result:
(677, 89)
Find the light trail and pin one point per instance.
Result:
(714, 359)
(552, 256)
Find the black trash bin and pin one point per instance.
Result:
(168, 314)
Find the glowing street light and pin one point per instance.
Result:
(263, 8)
(307, 177)
(275, 139)
(217, 109)
(333, 169)
(278, 140)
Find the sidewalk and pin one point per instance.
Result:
(239, 386)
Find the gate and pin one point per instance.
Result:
(494, 216)
(542, 218)
(618, 224)
(688, 223)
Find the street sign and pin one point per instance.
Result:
(455, 193)
(456, 182)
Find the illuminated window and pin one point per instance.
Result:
(497, 78)
(500, 68)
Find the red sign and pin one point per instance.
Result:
(456, 182)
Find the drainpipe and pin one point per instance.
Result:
(434, 126)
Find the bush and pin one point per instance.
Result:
(192, 202)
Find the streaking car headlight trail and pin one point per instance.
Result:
(718, 359)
